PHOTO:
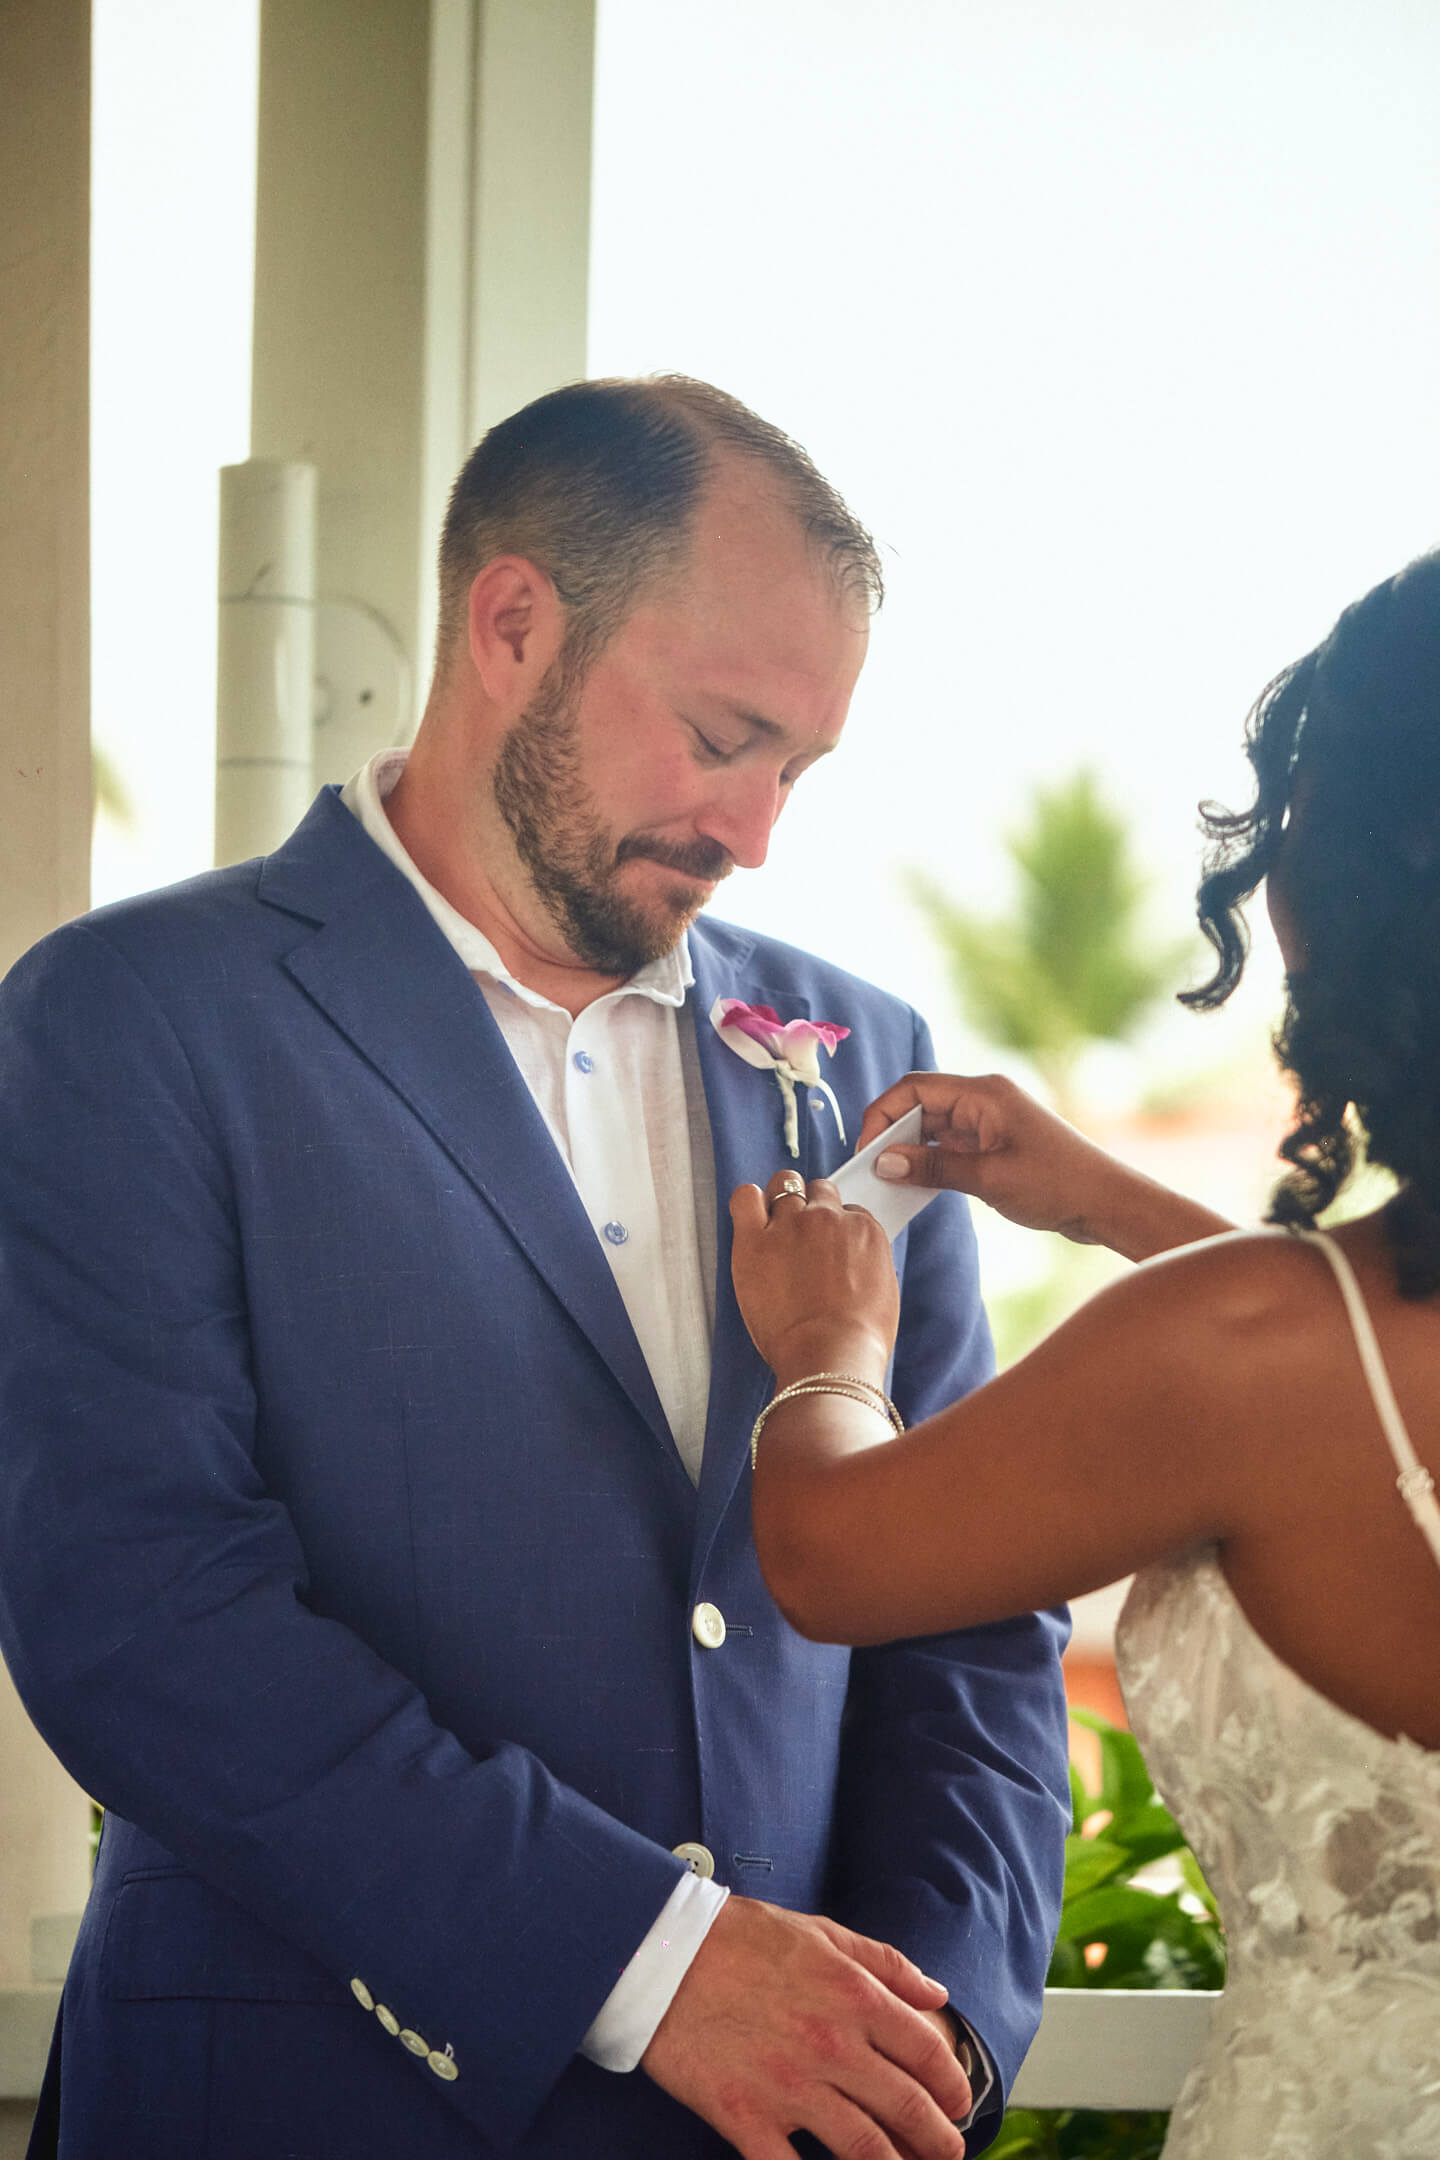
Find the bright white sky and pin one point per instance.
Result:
(1118, 322)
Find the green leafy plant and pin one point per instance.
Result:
(109, 791)
(1079, 2134)
(1117, 1931)
(1155, 1934)
(1070, 966)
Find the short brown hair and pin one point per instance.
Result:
(597, 484)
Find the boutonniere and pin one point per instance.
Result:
(788, 1048)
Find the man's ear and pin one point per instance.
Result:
(516, 624)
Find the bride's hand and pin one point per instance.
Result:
(815, 1281)
(987, 1137)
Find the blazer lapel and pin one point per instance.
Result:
(746, 1125)
(382, 973)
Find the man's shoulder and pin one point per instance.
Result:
(751, 960)
(175, 937)
(164, 923)
(206, 922)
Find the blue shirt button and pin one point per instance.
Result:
(583, 1062)
(617, 1233)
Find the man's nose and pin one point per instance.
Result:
(742, 815)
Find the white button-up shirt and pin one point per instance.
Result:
(610, 1086)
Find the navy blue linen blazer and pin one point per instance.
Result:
(347, 1558)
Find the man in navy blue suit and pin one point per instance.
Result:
(374, 1522)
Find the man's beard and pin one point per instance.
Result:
(573, 863)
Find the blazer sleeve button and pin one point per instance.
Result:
(388, 2019)
(413, 2041)
(362, 1994)
(444, 2066)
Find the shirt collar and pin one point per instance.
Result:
(665, 981)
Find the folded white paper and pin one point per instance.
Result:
(891, 1205)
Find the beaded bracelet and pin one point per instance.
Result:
(829, 1383)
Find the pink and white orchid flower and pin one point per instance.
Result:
(788, 1048)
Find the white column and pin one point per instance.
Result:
(44, 468)
(512, 92)
(339, 334)
(44, 705)
(534, 106)
(265, 679)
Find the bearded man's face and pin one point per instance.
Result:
(576, 862)
(632, 788)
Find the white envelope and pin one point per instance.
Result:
(891, 1205)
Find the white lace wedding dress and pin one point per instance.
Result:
(1321, 1842)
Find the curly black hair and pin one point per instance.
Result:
(1345, 747)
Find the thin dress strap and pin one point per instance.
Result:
(1416, 1485)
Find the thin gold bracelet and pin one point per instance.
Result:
(849, 1385)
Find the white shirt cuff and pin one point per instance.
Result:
(645, 1990)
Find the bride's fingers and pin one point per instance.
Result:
(787, 1192)
(901, 1096)
(971, 1112)
(822, 1194)
(785, 1185)
(749, 1209)
(953, 1169)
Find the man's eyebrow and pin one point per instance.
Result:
(756, 722)
(771, 729)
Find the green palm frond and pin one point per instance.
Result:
(1070, 966)
(109, 788)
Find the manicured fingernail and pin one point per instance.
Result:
(892, 1166)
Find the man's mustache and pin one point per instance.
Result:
(703, 859)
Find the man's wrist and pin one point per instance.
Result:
(974, 2061)
(961, 2038)
(627, 2020)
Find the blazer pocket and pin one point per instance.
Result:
(171, 1935)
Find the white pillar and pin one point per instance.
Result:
(512, 92)
(265, 679)
(339, 333)
(44, 468)
(44, 705)
(534, 104)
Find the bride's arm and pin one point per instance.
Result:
(1114, 1442)
(987, 1137)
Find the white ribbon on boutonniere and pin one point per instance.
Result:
(788, 1048)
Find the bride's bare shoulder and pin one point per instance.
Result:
(1241, 1289)
(1245, 1262)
